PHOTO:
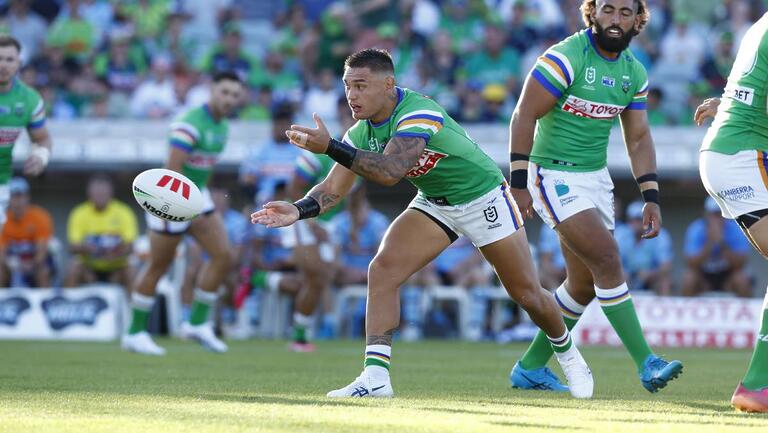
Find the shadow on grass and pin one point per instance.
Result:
(535, 425)
(273, 399)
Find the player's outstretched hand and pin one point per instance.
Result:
(276, 214)
(524, 201)
(314, 140)
(33, 166)
(708, 108)
(651, 220)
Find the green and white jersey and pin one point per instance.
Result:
(20, 108)
(741, 122)
(591, 91)
(314, 168)
(203, 138)
(452, 166)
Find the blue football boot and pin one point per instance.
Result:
(540, 379)
(657, 372)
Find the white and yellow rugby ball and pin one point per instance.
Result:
(168, 195)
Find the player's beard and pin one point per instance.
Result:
(610, 44)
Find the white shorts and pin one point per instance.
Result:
(300, 233)
(485, 220)
(160, 225)
(558, 195)
(738, 182)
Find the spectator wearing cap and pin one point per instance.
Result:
(273, 162)
(122, 65)
(24, 257)
(494, 98)
(716, 255)
(155, 97)
(100, 233)
(229, 55)
(647, 262)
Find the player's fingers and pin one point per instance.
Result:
(319, 122)
(297, 138)
(303, 129)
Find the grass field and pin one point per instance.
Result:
(260, 387)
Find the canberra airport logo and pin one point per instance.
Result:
(62, 312)
(11, 309)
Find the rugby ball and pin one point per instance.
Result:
(167, 194)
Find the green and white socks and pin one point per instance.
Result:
(757, 373)
(620, 310)
(201, 306)
(300, 325)
(541, 348)
(141, 305)
(376, 364)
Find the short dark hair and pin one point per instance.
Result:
(227, 76)
(10, 41)
(283, 111)
(589, 6)
(100, 177)
(372, 58)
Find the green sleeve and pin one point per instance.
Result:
(355, 136)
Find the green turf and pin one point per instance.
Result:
(259, 387)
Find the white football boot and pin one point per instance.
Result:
(142, 343)
(363, 386)
(204, 335)
(580, 382)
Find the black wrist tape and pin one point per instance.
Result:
(341, 153)
(651, 196)
(518, 157)
(650, 177)
(308, 208)
(518, 179)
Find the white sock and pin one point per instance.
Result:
(142, 302)
(302, 320)
(378, 354)
(273, 281)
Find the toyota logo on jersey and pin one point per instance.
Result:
(175, 185)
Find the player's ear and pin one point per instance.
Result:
(390, 82)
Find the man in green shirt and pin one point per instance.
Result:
(734, 169)
(21, 107)
(197, 138)
(569, 103)
(402, 134)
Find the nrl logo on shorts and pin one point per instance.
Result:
(590, 75)
(491, 215)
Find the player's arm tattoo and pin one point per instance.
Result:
(385, 339)
(387, 168)
(326, 199)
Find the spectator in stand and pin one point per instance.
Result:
(285, 83)
(495, 109)
(656, 116)
(28, 28)
(521, 34)
(101, 232)
(260, 104)
(717, 66)
(155, 97)
(551, 260)
(76, 36)
(321, 97)
(359, 231)
(495, 64)
(230, 56)
(205, 19)
(24, 257)
(273, 162)
(647, 262)
(122, 65)
(99, 13)
(462, 265)
(173, 41)
(472, 106)
(716, 254)
(148, 16)
(464, 27)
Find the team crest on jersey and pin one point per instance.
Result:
(427, 161)
(625, 85)
(19, 109)
(608, 81)
(590, 74)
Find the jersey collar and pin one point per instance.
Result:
(207, 110)
(400, 94)
(594, 47)
(13, 86)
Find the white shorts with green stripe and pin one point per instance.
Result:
(738, 182)
(485, 220)
(160, 225)
(558, 195)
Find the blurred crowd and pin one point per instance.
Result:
(151, 58)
